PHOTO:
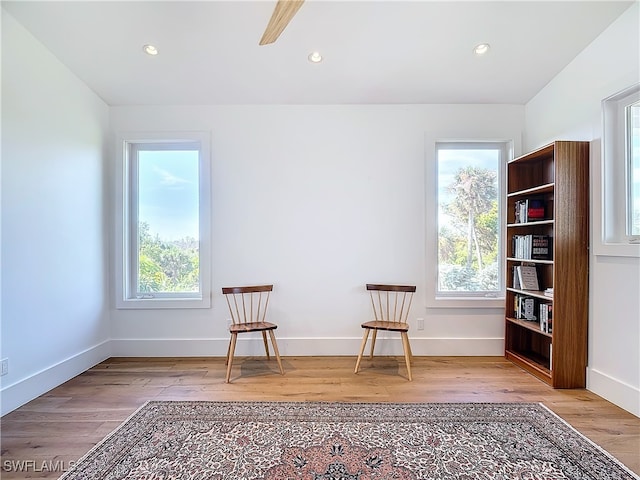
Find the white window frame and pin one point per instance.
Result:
(125, 191)
(435, 299)
(611, 212)
(628, 129)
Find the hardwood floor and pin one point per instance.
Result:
(44, 436)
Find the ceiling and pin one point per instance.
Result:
(374, 51)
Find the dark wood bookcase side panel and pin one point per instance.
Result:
(571, 266)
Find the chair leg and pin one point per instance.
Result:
(275, 349)
(364, 344)
(407, 352)
(266, 345)
(232, 348)
(373, 342)
(226, 361)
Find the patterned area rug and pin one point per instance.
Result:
(345, 441)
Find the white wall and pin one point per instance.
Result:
(569, 108)
(54, 245)
(318, 200)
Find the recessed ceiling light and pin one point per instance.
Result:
(481, 49)
(150, 50)
(315, 57)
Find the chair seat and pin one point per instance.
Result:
(252, 327)
(390, 326)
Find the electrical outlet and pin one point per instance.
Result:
(4, 366)
(421, 324)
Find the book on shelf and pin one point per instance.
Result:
(528, 277)
(550, 319)
(532, 247)
(521, 207)
(529, 210)
(535, 210)
(541, 247)
(519, 246)
(524, 308)
(518, 212)
(545, 313)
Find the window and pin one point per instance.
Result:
(620, 182)
(164, 234)
(469, 219)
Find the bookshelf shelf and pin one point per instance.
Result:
(530, 224)
(555, 177)
(547, 188)
(533, 293)
(534, 326)
(537, 366)
(533, 260)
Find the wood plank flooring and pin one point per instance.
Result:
(43, 437)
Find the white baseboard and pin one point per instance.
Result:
(622, 394)
(252, 345)
(22, 391)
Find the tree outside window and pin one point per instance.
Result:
(469, 206)
(167, 233)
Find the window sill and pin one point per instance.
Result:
(468, 302)
(162, 303)
(602, 249)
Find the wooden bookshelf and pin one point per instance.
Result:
(557, 175)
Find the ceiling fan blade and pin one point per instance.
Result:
(282, 15)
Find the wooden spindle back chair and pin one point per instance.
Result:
(248, 309)
(391, 305)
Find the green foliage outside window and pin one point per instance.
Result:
(468, 245)
(167, 266)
